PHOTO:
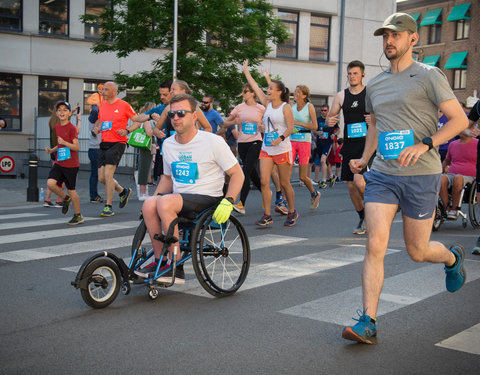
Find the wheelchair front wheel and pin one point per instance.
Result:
(220, 255)
(104, 282)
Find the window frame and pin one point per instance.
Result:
(49, 20)
(40, 89)
(86, 106)
(437, 30)
(96, 24)
(20, 99)
(310, 48)
(465, 25)
(459, 82)
(295, 46)
(20, 19)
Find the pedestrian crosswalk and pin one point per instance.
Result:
(399, 291)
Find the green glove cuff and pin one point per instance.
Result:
(223, 211)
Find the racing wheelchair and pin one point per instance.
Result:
(468, 196)
(220, 256)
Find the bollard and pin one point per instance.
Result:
(32, 190)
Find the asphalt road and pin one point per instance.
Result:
(304, 285)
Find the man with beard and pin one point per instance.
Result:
(403, 102)
(212, 116)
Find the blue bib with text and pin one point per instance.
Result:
(63, 153)
(249, 127)
(357, 130)
(269, 138)
(390, 144)
(185, 172)
(106, 125)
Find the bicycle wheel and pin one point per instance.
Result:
(138, 238)
(473, 207)
(104, 281)
(221, 256)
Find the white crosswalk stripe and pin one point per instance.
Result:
(466, 341)
(18, 216)
(41, 222)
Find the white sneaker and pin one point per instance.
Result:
(143, 197)
(452, 215)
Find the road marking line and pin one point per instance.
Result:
(398, 291)
(19, 216)
(40, 222)
(70, 231)
(466, 341)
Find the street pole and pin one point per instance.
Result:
(175, 32)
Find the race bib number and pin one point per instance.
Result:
(322, 134)
(106, 125)
(185, 172)
(269, 138)
(249, 128)
(390, 144)
(357, 130)
(298, 136)
(63, 153)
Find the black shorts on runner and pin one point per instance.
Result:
(64, 174)
(193, 204)
(110, 153)
(351, 151)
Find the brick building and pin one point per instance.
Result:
(449, 37)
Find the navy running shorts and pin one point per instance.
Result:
(64, 174)
(110, 153)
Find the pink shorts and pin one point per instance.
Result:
(286, 157)
(303, 149)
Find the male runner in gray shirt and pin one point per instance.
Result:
(403, 102)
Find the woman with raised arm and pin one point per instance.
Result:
(305, 120)
(276, 147)
(248, 115)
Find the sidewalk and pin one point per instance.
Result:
(13, 191)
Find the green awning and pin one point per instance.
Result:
(431, 17)
(415, 16)
(456, 60)
(431, 60)
(458, 12)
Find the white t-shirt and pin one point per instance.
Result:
(198, 166)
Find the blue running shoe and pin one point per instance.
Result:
(364, 331)
(456, 275)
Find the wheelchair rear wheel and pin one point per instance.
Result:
(473, 207)
(220, 255)
(104, 281)
(438, 219)
(138, 238)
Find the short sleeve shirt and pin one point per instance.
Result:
(114, 117)
(248, 114)
(68, 132)
(214, 119)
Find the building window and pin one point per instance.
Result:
(435, 31)
(289, 49)
(89, 88)
(459, 79)
(50, 91)
(54, 17)
(11, 100)
(462, 29)
(11, 15)
(319, 38)
(95, 8)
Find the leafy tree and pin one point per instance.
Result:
(214, 38)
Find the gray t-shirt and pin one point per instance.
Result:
(408, 100)
(93, 140)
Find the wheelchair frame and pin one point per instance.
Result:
(103, 275)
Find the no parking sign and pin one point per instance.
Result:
(7, 164)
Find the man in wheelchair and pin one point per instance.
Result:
(459, 169)
(195, 163)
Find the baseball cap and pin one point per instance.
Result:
(66, 104)
(99, 85)
(398, 22)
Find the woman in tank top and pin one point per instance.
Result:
(276, 147)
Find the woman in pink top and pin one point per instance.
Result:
(248, 116)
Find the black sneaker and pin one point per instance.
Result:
(76, 219)
(167, 276)
(66, 205)
(124, 198)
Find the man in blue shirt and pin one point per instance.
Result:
(212, 116)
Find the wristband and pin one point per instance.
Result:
(230, 199)
(150, 116)
(282, 137)
(128, 131)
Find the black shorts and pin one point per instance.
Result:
(64, 174)
(193, 204)
(110, 153)
(351, 151)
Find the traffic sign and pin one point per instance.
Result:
(7, 164)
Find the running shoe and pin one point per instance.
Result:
(456, 274)
(314, 201)
(167, 276)
(107, 211)
(149, 270)
(97, 200)
(76, 219)
(124, 197)
(59, 204)
(48, 203)
(281, 207)
(292, 218)
(66, 205)
(239, 207)
(265, 220)
(331, 182)
(322, 184)
(476, 250)
(364, 331)
(314, 183)
(452, 215)
(360, 229)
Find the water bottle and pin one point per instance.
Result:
(42, 195)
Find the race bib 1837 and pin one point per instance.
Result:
(390, 144)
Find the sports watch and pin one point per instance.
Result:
(428, 141)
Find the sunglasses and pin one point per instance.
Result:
(180, 113)
(205, 102)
